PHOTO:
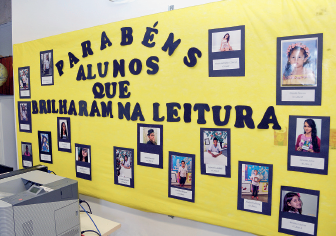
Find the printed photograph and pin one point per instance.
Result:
(83, 154)
(215, 147)
(46, 64)
(63, 132)
(299, 62)
(44, 139)
(181, 172)
(24, 78)
(150, 135)
(26, 149)
(308, 135)
(226, 41)
(23, 112)
(123, 163)
(299, 203)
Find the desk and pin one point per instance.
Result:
(220, 160)
(126, 172)
(105, 226)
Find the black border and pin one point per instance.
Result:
(317, 89)
(84, 164)
(228, 167)
(58, 134)
(324, 148)
(27, 158)
(29, 88)
(304, 218)
(40, 146)
(115, 165)
(51, 66)
(266, 206)
(226, 55)
(154, 149)
(192, 156)
(29, 121)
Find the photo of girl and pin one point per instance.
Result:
(63, 131)
(45, 64)
(298, 202)
(225, 41)
(309, 140)
(23, 112)
(23, 78)
(27, 152)
(44, 143)
(225, 44)
(292, 203)
(123, 162)
(83, 154)
(299, 60)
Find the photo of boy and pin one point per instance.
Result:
(151, 137)
(181, 171)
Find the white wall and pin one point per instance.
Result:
(6, 39)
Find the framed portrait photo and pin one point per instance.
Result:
(47, 67)
(24, 82)
(24, 113)
(45, 146)
(64, 134)
(308, 144)
(124, 166)
(227, 51)
(27, 154)
(298, 213)
(215, 152)
(181, 176)
(150, 145)
(255, 187)
(299, 70)
(83, 161)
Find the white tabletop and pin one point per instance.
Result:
(221, 160)
(105, 226)
(126, 172)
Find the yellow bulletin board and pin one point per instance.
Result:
(175, 82)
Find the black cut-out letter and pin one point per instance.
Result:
(106, 110)
(72, 108)
(43, 108)
(123, 89)
(156, 116)
(216, 115)
(34, 107)
(150, 64)
(82, 108)
(53, 106)
(240, 117)
(62, 106)
(138, 64)
(187, 112)
(192, 58)
(269, 117)
(89, 76)
(104, 40)
(98, 90)
(170, 44)
(200, 107)
(72, 59)
(149, 36)
(137, 113)
(48, 106)
(94, 109)
(107, 89)
(99, 65)
(172, 112)
(59, 65)
(86, 48)
(124, 111)
(126, 36)
(119, 67)
(81, 73)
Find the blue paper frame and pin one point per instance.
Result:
(115, 167)
(192, 156)
(27, 158)
(24, 123)
(83, 164)
(51, 66)
(68, 139)
(293, 216)
(152, 149)
(227, 54)
(29, 88)
(41, 152)
(317, 89)
(324, 148)
(203, 166)
(266, 206)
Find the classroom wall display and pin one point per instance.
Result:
(123, 166)
(255, 187)
(227, 51)
(27, 154)
(45, 146)
(299, 70)
(154, 70)
(64, 134)
(83, 161)
(308, 144)
(215, 152)
(181, 176)
(299, 210)
(24, 82)
(47, 67)
(150, 145)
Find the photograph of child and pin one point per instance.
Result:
(150, 135)
(299, 203)
(123, 163)
(46, 64)
(308, 132)
(215, 147)
(257, 177)
(24, 78)
(44, 142)
(26, 149)
(181, 172)
(83, 154)
(23, 112)
(63, 132)
(299, 62)
(226, 41)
